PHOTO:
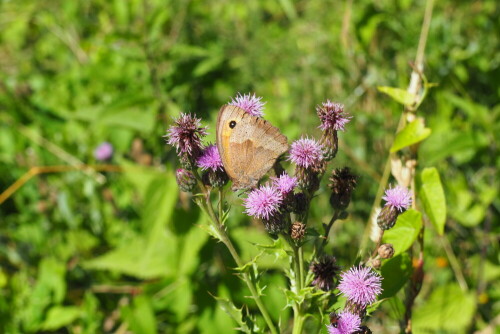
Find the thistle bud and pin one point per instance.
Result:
(297, 230)
(275, 224)
(387, 217)
(185, 179)
(386, 251)
(376, 263)
(325, 272)
(342, 183)
(300, 203)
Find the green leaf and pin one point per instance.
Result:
(448, 308)
(396, 272)
(433, 199)
(413, 133)
(60, 316)
(398, 94)
(140, 316)
(233, 312)
(405, 232)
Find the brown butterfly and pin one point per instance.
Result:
(248, 146)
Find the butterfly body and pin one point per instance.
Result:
(248, 146)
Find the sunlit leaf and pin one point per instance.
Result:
(60, 316)
(400, 95)
(433, 199)
(412, 133)
(405, 231)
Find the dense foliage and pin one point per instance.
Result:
(116, 247)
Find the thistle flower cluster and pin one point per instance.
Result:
(398, 200)
(275, 200)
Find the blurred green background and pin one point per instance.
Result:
(122, 252)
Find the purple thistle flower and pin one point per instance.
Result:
(186, 134)
(210, 159)
(332, 116)
(263, 202)
(306, 152)
(285, 183)
(104, 151)
(398, 197)
(348, 323)
(361, 285)
(250, 103)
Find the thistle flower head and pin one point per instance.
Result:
(347, 323)
(332, 116)
(104, 151)
(263, 202)
(250, 103)
(398, 197)
(186, 133)
(210, 159)
(285, 183)
(361, 285)
(306, 152)
(325, 271)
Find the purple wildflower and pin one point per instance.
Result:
(306, 152)
(398, 197)
(186, 134)
(332, 116)
(348, 323)
(285, 183)
(263, 202)
(104, 151)
(250, 103)
(361, 285)
(210, 159)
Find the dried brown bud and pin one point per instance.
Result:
(386, 251)
(376, 263)
(297, 230)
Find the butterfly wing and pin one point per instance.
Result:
(248, 146)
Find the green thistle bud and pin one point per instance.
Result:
(185, 179)
(387, 217)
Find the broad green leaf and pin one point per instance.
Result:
(235, 313)
(447, 309)
(60, 316)
(399, 95)
(432, 196)
(405, 232)
(412, 133)
(396, 272)
(140, 316)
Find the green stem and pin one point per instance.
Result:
(335, 216)
(298, 323)
(221, 232)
